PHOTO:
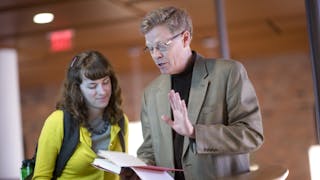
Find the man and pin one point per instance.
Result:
(200, 115)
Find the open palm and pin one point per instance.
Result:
(181, 123)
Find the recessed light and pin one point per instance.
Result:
(43, 18)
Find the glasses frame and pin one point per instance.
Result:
(166, 43)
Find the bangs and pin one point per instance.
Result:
(95, 71)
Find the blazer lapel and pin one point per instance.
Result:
(164, 108)
(198, 90)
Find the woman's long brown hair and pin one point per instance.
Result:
(93, 65)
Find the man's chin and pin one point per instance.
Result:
(164, 71)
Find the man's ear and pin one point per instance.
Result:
(186, 38)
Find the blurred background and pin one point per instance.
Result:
(268, 36)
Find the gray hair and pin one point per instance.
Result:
(174, 18)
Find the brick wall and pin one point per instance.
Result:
(284, 88)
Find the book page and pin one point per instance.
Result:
(121, 159)
(113, 161)
(106, 165)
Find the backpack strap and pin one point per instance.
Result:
(121, 134)
(69, 143)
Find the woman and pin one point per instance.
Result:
(92, 96)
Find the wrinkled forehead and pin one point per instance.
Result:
(157, 34)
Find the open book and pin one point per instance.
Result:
(113, 162)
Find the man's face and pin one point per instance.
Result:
(166, 49)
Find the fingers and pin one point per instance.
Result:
(171, 99)
(184, 108)
(175, 100)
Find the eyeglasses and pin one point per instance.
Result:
(162, 46)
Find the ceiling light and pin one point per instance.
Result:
(43, 18)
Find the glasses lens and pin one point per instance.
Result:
(162, 47)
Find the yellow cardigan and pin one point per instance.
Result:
(79, 165)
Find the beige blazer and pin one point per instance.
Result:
(225, 112)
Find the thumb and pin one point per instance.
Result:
(167, 120)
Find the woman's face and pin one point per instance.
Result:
(96, 93)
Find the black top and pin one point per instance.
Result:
(181, 83)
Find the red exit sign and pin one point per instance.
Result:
(61, 40)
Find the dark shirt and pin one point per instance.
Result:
(181, 83)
